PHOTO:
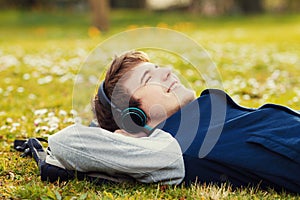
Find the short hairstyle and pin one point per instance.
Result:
(119, 67)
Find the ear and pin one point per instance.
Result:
(136, 135)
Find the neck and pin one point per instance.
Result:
(154, 122)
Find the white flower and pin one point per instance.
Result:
(51, 114)
(45, 80)
(57, 70)
(62, 113)
(16, 124)
(32, 96)
(8, 61)
(10, 88)
(26, 76)
(44, 128)
(41, 111)
(73, 112)
(37, 129)
(246, 97)
(66, 77)
(52, 120)
(189, 72)
(9, 120)
(69, 120)
(13, 129)
(20, 89)
(37, 121)
(93, 79)
(53, 127)
(23, 118)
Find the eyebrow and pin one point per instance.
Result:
(144, 75)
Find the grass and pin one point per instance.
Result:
(258, 58)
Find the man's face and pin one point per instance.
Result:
(159, 90)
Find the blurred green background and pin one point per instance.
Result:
(254, 44)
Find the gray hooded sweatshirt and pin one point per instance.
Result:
(101, 153)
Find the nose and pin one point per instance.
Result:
(165, 73)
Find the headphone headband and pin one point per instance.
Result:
(104, 100)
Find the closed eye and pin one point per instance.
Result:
(148, 79)
(144, 77)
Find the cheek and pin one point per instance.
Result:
(155, 89)
(158, 111)
(151, 93)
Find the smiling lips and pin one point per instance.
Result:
(172, 86)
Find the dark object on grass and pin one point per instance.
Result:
(33, 147)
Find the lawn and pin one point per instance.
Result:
(258, 58)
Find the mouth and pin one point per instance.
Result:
(172, 86)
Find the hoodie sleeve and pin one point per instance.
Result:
(157, 158)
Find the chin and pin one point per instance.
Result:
(187, 97)
(190, 94)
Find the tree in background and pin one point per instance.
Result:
(212, 7)
(280, 6)
(100, 9)
(100, 14)
(128, 4)
(247, 7)
(221, 7)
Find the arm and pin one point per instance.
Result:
(156, 158)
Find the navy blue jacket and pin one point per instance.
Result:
(224, 142)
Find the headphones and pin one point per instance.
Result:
(132, 119)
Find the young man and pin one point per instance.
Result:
(101, 153)
(219, 140)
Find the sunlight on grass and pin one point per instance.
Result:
(258, 58)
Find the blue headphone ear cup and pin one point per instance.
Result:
(133, 119)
